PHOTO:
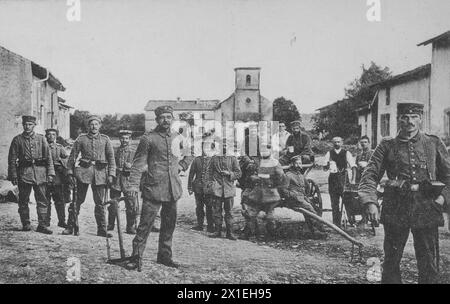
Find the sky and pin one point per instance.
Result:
(123, 53)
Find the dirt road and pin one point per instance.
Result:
(30, 257)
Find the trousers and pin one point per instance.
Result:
(425, 245)
(149, 212)
(41, 203)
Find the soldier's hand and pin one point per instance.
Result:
(50, 179)
(110, 180)
(180, 168)
(14, 181)
(190, 191)
(127, 165)
(372, 212)
(226, 173)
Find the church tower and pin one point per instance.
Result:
(247, 97)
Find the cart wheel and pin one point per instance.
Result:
(313, 193)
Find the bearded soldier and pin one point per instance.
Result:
(30, 166)
(124, 158)
(413, 201)
(161, 186)
(97, 168)
(55, 190)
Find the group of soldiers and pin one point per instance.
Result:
(415, 163)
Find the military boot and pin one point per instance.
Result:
(111, 218)
(44, 230)
(49, 214)
(61, 212)
(249, 232)
(270, 231)
(131, 223)
(67, 231)
(25, 219)
(26, 227)
(217, 232)
(230, 235)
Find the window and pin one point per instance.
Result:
(203, 116)
(385, 125)
(388, 96)
(248, 80)
(248, 100)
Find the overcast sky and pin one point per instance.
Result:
(123, 53)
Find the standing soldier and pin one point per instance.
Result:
(223, 171)
(97, 168)
(124, 159)
(161, 187)
(30, 165)
(196, 185)
(338, 161)
(413, 162)
(363, 156)
(55, 190)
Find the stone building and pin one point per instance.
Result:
(27, 88)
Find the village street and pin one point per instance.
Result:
(30, 257)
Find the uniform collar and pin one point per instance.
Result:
(161, 133)
(53, 144)
(32, 134)
(90, 135)
(412, 139)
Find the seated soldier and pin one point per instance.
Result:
(298, 143)
(295, 196)
(261, 193)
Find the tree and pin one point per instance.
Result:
(284, 110)
(78, 123)
(340, 118)
(360, 89)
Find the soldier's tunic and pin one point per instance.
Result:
(55, 190)
(30, 162)
(161, 187)
(422, 158)
(263, 191)
(196, 184)
(96, 163)
(363, 156)
(124, 158)
(302, 146)
(222, 188)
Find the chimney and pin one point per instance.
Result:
(178, 99)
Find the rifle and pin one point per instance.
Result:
(73, 210)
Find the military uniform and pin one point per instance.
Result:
(301, 143)
(55, 190)
(295, 196)
(96, 164)
(196, 184)
(363, 156)
(409, 165)
(262, 192)
(124, 159)
(161, 187)
(222, 190)
(30, 163)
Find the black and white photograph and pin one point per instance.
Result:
(224, 147)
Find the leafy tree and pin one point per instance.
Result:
(78, 123)
(341, 119)
(284, 110)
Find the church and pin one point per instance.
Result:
(245, 104)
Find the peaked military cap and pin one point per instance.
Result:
(28, 118)
(51, 130)
(94, 117)
(410, 107)
(296, 123)
(125, 132)
(163, 109)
